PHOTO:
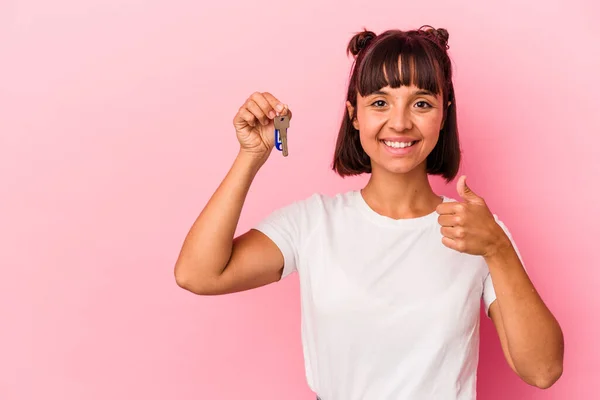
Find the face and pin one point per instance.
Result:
(398, 127)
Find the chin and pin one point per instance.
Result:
(399, 167)
(396, 165)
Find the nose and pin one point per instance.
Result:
(400, 119)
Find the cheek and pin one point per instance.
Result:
(370, 124)
(432, 142)
(430, 124)
(430, 138)
(431, 132)
(430, 129)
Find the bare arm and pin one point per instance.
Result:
(531, 337)
(211, 260)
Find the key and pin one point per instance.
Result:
(282, 123)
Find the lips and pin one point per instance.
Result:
(399, 146)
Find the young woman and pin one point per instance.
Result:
(391, 275)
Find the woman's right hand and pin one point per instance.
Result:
(254, 125)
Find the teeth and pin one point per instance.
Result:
(398, 145)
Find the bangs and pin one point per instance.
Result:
(418, 66)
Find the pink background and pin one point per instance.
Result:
(115, 128)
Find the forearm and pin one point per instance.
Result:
(534, 337)
(208, 245)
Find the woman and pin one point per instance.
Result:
(392, 275)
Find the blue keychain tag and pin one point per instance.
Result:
(278, 144)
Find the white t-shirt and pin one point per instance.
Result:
(388, 311)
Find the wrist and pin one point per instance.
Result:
(500, 248)
(249, 161)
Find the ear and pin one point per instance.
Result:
(351, 114)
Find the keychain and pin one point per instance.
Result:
(282, 123)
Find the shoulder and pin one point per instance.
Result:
(314, 208)
(298, 219)
(322, 201)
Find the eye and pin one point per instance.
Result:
(379, 103)
(422, 104)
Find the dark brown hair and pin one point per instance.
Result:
(427, 66)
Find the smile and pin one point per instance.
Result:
(399, 145)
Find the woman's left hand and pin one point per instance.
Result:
(469, 226)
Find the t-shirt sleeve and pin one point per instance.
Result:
(489, 294)
(289, 227)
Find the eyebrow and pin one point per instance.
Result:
(417, 93)
(424, 93)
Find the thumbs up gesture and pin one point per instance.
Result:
(469, 226)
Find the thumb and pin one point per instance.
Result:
(465, 191)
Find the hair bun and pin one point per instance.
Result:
(360, 41)
(441, 35)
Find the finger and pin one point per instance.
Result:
(465, 191)
(255, 109)
(449, 220)
(286, 111)
(246, 116)
(453, 232)
(450, 207)
(452, 244)
(277, 105)
(445, 231)
(261, 100)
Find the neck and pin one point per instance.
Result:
(400, 195)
